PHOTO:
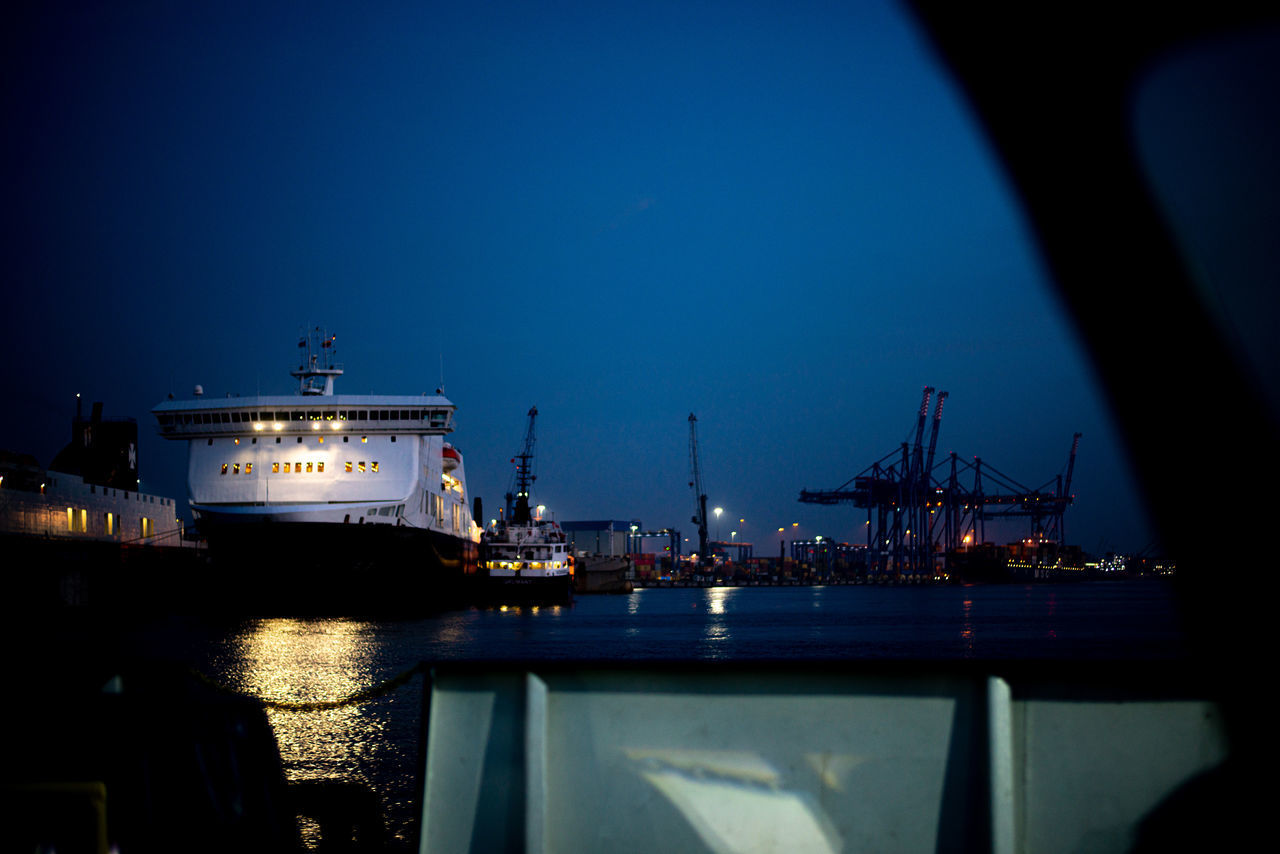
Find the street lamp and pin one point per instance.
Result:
(718, 511)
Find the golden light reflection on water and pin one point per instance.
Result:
(305, 661)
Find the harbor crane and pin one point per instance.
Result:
(518, 512)
(699, 495)
(914, 517)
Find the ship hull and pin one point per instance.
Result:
(286, 568)
(501, 590)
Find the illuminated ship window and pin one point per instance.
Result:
(275, 468)
(319, 468)
(322, 440)
(308, 468)
(348, 467)
(297, 468)
(362, 466)
(235, 469)
(248, 468)
(224, 468)
(364, 440)
(288, 467)
(374, 465)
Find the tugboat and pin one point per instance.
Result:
(320, 503)
(525, 558)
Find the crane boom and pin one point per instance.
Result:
(933, 437)
(1071, 464)
(917, 460)
(699, 496)
(519, 513)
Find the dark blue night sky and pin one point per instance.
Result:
(778, 216)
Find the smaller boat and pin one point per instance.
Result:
(523, 557)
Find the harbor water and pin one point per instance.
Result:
(376, 742)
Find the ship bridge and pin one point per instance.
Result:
(291, 414)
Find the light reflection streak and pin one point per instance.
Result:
(966, 629)
(718, 598)
(716, 629)
(1052, 603)
(304, 661)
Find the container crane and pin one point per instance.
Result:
(912, 517)
(518, 512)
(699, 496)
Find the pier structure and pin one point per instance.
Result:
(922, 515)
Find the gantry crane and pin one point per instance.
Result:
(913, 517)
(699, 496)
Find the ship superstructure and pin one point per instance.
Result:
(343, 479)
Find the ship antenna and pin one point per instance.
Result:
(316, 373)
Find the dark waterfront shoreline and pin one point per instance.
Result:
(377, 742)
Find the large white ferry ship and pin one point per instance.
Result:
(324, 501)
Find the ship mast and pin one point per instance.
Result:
(699, 496)
(519, 513)
(317, 369)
